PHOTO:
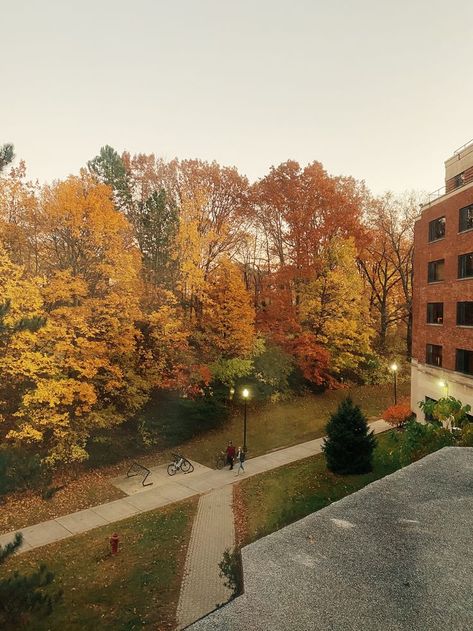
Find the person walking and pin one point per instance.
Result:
(230, 454)
(241, 459)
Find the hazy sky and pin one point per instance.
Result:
(379, 90)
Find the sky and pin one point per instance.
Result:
(378, 90)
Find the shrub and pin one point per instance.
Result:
(420, 439)
(349, 444)
(20, 470)
(397, 415)
(466, 436)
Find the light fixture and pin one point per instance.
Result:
(394, 367)
(245, 393)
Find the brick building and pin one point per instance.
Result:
(442, 347)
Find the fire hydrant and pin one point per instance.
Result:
(114, 539)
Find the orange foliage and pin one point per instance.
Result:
(397, 415)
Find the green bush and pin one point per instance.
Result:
(21, 470)
(419, 440)
(349, 444)
(466, 436)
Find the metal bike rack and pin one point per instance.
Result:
(137, 465)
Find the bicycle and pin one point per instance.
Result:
(180, 464)
(221, 460)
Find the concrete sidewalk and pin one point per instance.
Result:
(165, 490)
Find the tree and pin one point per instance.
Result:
(228, 319)
(349, 444)
(447, 411)
(109, 169)
(22, 596)
(333, 307)
(156, 224)
(7, 155)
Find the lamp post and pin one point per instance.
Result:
(394, 369)
(245, 394)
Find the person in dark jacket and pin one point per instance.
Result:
(230, 454)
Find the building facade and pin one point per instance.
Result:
(442, 346)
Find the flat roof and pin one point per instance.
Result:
(396, 555)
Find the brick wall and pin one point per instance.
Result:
(451, 290)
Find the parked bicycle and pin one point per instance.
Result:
(221, 460)
(180, 464)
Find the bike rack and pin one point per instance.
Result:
(137, 465)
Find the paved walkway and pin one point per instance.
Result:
(165, 490)
(213, 531)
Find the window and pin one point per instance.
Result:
(465, 313)
(437, 229)
(465, 265)
(435, 313)
(433, 355)
(464, 362)
(466, 218)
(459, 179)
(436, 271)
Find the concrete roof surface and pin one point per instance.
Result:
(396, 555)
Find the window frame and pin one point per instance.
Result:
(461, 312)
(430, 355)
(432, 229)
(462, 267)
(436, 319)
(463, 361)
(467, 208)
(431, 263)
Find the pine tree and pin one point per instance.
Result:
(23, 595)
(349, 444)
(7, 155)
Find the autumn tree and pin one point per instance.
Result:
(333, 307)
(227, 327)
(386, 262)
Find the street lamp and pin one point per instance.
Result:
(444, 384)
(245, 394)
(394, 368)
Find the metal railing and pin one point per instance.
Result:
(457, 151)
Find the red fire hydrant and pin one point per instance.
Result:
(114, 539)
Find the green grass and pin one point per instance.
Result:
(275, 499)
(275, 425)
(136, 589)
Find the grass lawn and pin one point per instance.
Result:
(270, 426)
(286, 423)
(272, 500)
(136, 589)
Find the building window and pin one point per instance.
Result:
(433, 355)
(464, 361)
(437, 229)
(466, 218)
(436, 271)
(465, 313)
(459, 179)
(465, 265)
(435, 313)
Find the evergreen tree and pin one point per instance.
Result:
(349, 444)
(21, 596)
(109, 169)
(6, 155)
